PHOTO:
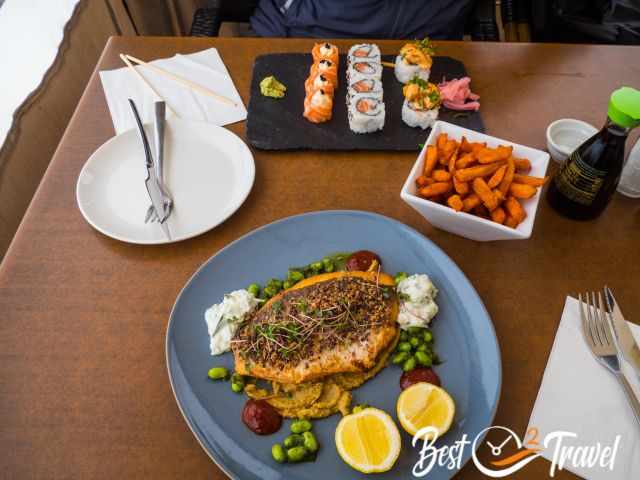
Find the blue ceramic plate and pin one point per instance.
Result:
(464, 339)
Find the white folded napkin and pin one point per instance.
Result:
(204, 68)
(578, 395)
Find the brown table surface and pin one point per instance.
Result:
(83, 384)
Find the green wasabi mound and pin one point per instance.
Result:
(270, 87)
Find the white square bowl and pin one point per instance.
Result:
(462, 223)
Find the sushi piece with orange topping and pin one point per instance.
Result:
(328, 68)
(318, 107)
(317, 82)
(325, 51)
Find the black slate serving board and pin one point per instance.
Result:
(278, 124)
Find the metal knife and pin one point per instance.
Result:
(151, 181)
(627, 343)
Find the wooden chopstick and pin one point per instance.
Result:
(388, 64)
(145, 82)
(183, 81)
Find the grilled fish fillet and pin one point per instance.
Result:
(327, 324)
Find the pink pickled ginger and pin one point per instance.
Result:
(456, 94)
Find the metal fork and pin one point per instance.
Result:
(158, 137)
(596, 328)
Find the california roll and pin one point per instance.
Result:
(372, 86)
(366, 114)
(364, 51)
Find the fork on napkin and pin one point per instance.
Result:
(580, 397)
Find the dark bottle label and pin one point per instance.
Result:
(579, 181)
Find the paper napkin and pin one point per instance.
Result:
(578, 395)
(205, 68)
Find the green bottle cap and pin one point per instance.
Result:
(624, 107)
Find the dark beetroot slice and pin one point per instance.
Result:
(417, 375)
(260, 417)
(362, 260)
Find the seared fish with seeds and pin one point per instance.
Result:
(327, 324)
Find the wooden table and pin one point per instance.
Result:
(83, 383)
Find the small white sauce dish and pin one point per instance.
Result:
(565, 135)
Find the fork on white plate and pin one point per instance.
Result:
(596, 328)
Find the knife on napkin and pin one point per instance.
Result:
(627, 343)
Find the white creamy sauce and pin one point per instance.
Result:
(324, 50)
(319, 99)
(231, 311)
(417, 301)
(318, 83)
(323, 65)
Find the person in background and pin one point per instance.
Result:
(438, 19)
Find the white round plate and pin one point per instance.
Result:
(208, 171)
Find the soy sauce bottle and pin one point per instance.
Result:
(584, 185)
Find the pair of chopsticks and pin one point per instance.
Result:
(128, 59)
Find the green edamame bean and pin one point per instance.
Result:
(359, 407)
(278, 453)
(295, 276)
(296, 454)
(310, 442)
(218, 373)
(414, 341)
(237, 387)
(409, 364)
(299, 426)
(404, 336)
(287, 284)
(327, 264)
(404, 347)
(316, 266)
(293, 440)
(427, 336)
(423, 359)
(254, 289)
(237, 378)
(269, 292)
(399, 277)
(415, 330)
(422, 347)
(399, 358)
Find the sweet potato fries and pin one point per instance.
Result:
(471, 177)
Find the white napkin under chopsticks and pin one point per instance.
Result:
(205, 68)
(578, 395)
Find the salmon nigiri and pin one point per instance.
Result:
(328, 68)
(318, 107)
(325, 50)
(316, 82)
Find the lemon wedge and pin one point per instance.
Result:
(368, 441)
(423, 405)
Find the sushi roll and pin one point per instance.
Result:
(325, 51)
(371, 86)
(366, 114)
(414, 60)
(359, 69)
(317, 82)
(365, 51)
(326, 67)
(422, 103)
(318, 107)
